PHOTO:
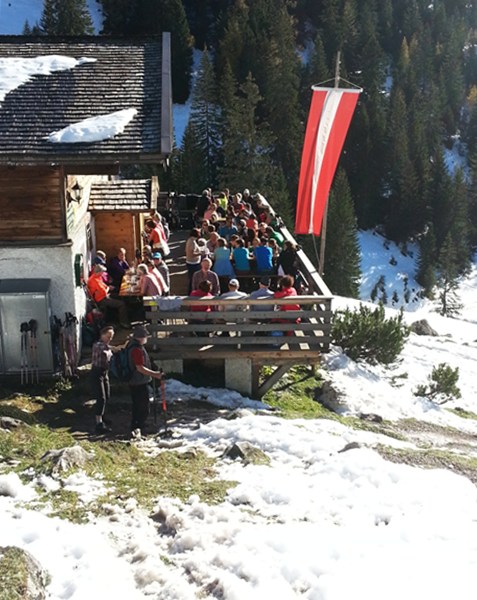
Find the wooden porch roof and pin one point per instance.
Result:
(125, 74)
(129, 195)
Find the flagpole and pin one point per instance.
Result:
(321, 262)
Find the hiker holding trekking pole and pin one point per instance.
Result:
(140, 380)
(102, 353)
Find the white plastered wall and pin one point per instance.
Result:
(44, 262)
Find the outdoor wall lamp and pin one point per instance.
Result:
(76, 193)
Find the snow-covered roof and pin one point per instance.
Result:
(83, 100)
(94, 129)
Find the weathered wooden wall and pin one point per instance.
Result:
(31, 204)
(117, 230)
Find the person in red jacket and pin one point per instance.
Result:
(99, 292)
(286, 290)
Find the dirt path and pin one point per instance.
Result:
(435, 447)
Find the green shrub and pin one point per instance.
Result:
(366, 334)
(442, 385)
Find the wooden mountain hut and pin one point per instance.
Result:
(72, 112)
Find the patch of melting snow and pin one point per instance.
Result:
(16, 71)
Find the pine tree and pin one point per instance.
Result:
(449, 302)
(246, 144)
(66, 17)
(26, 28)
(427, 262)
(118, 16)
(151, 17)
(49, 17)
(190, 166)
(402, 181)
(440, 197)
(234, 44)
(342, 257)
(315, 72)
(365, 143)
(472, 202)
(205, 117)
(460, 226)
(331, 18)
(173, 18)
(280, 90)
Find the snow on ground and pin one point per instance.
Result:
(181, 112)
(381, 258)
(317, 523)
(94, 129)
(456, 157)
(389, 391)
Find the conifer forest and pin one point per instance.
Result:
(417, 64)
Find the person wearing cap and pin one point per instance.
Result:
(100, 293)
(141, 377)
(205, 274)
(234, 294)
(163, 269)
(100, 259)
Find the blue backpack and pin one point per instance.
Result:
(121, 366)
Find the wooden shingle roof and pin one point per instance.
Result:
(131, 195)
(125, 74)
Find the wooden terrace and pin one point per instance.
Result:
(242, 336)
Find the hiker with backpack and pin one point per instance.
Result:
(101, 356)
(142, 375)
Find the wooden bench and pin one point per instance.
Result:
(255, 337)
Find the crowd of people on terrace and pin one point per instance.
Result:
(238, 237)
(235, 243)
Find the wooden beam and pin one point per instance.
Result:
(267, 356)
(95, 169)
(274, 378)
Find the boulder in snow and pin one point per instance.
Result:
(25, 576)
(330, 398)
(248, 453)
(67, 458)
(10, 423)
(350, 446)
(422, 327)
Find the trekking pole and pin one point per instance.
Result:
(33, 326)
(70, 342)
(154, 404)
(23, 357)
(167, 433)
(55, 334)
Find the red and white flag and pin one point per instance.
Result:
(330, 115)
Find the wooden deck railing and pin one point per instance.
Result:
(249, 331)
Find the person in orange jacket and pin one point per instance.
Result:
(99, 292)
